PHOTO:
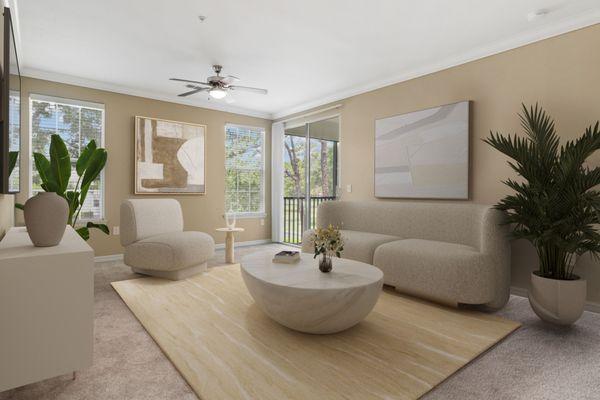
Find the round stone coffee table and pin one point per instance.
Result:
(305, 299)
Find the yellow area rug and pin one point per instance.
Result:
(226, 348)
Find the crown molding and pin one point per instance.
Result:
(93, 84)
(109, 87)
(523, 39)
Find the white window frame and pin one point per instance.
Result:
(69, 102)
(263, 213)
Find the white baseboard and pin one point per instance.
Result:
(516, 291)
(219, 246)
(592, 306)
(111, 257)
(589, 305)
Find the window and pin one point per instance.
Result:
(245, 170)
(14, 136)
(77, 123)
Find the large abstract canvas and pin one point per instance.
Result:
(423, 154)
(169, 157)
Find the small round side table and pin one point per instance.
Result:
(229, 243)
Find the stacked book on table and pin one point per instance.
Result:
(287, 257)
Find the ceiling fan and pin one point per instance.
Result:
(217, 86)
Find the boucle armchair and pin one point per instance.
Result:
(155, 243)
(449, 253)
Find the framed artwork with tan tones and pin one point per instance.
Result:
(169, 157)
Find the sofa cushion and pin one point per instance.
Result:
(436, 270)
(360, 246)
(170, 251)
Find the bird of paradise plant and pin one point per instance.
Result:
(56, 173)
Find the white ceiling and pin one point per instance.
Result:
(304, 52)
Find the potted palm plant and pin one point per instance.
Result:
(555, 206)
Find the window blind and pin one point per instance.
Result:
(244, 170)
(77, 123)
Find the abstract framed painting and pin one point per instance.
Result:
(169, 157)
(423, 154)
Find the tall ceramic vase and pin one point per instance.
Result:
(46, 217)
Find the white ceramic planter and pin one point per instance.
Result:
(557, 301)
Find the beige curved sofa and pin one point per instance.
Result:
(155, 243)
(445, 252)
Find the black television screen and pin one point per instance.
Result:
(10, 104)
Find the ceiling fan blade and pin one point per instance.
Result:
(229, 79)
(192, 92)
(190, 86)
(249, 89)
(188, 81)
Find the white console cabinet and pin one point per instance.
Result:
(46, 308)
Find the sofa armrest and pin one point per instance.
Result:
(494, 234)
(494, 242)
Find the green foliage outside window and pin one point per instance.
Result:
(244, 169)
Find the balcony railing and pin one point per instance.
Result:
(294, 209)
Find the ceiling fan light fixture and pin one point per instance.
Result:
(218, 87)
(217, 93)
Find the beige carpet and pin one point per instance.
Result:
(226, 348)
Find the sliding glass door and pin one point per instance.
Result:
(311, 174)
(294, 184)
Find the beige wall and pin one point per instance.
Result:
(202, 213)
(561, 73)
